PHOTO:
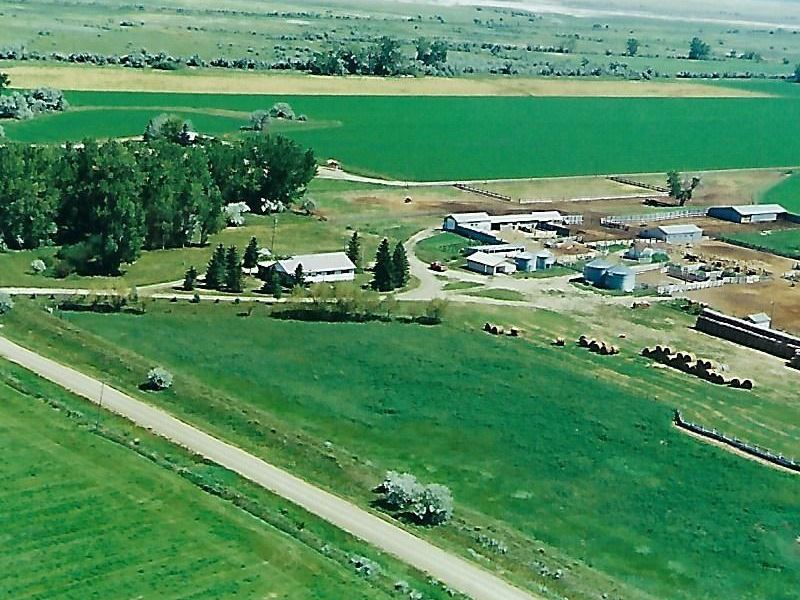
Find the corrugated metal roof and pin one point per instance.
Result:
(543, 216)
(489, 260)
(758, 209)
(544, 254)
(498, 247)
(759, 318)
(679, 229)
(525, 256)
(469, 216)
(315, 263)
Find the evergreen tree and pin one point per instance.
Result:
(299, 276)
(191, 279)
(275, 284)
(215, 273)
(674, 184)
(382, 275)
(233, 270)
(251, 254)
(354, 250)
(400, 266)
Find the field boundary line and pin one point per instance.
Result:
(452, 570)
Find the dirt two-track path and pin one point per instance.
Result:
(455, 572)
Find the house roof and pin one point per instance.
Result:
(679, 229)
(315, 263)
(469, 216)
(544, 254)
(759, 318)
(758, 209)
(488, 260)
(525, 256)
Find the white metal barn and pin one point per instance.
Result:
(325, 267)
(675, 234)
(489, 264)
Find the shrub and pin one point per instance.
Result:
(234, 213)
(6, 303)
(281, 110)
(159, 378)
(38, 266)
(430, 504)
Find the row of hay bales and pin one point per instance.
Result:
(600, 347)
(498, 330)
(704, 369)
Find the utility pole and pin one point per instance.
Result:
(274, 231)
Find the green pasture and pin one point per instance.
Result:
(443, 247)
(549, 447)
(84, 516)
(786, 193)
(784, 242)
(444, 138)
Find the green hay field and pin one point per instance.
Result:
(786, 193)
(557, 448)
(444, 138)
(783, 242)
(85, 517)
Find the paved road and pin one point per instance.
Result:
(455, 572)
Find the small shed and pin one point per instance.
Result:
(489, 264)
(748, 213)
(760, 320)
(525, 261)
(544, 260)
(674, 234)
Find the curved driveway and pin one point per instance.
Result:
(453, 571)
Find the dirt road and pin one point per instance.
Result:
(455, 572)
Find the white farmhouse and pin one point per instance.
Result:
(325, 267)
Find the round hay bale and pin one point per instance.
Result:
(747, 384)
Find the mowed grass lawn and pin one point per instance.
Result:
(553, 447)
(84, 517)
(443, 138)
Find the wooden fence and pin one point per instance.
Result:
(684, 213)
(734, 442)
(640, 184)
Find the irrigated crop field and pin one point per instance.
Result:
(552, 448)
(447, 138)
(84, 516)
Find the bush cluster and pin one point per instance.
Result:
(430, 504)
(27, 105)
